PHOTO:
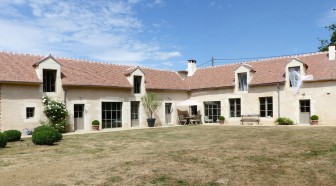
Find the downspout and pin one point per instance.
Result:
(278, 91)
(65, 102)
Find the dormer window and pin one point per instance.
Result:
(242, 81)
(137, 84)
(49, 80)
(294, 76)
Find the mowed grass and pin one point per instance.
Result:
(187, 155)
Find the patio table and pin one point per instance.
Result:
(188, 119)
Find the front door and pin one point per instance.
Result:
(135, 113)
(168, 108)
(304, 111)
(79, 116)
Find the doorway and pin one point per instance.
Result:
(304, 111)
(79, 116)
(135, 114)
(168, 111)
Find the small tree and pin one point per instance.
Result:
(151, 102)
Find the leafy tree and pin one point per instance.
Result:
(332, 41)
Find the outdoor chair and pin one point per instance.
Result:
(196, 120)
(181, 120)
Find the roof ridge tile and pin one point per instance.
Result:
(267, 59)
(151, 68)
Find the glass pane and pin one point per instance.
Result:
(262, 113)
(238, 113)
(262, 107)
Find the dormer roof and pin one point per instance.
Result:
(130, 70)
(46, 58)
(248, 66)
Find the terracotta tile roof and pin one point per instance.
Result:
(266, 71)
(82, 73)
(19, 68)
(161, 79)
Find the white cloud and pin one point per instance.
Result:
(166, 55)
(100, 31)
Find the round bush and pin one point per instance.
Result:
(95, 122)
(3, 140)
(58, 135)
(13, 135)
(314, 117)
(46, 135)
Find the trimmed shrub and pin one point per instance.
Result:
(95, 122)
(221, 118)
(40, 133)
(59, 136)
(13, 135)
(3, 140)
(314, 117)
(44, 137)
(284, 121)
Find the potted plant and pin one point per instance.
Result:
(151, 102)
(221, 120)
(95, 125)
(284, 121)
(314, 119)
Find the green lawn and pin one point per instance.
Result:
(187, 155)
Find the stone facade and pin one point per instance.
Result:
(269, 99)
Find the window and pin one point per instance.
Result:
(242, 81)
(193, 110)
(49, 80)
(212, 110)
(305, 105)
(30, 112)
(137, 84)
(294, 76)
(78, 110)
(111, 114)
(235, 109)
(266, 107)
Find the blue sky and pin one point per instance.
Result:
(164, 33)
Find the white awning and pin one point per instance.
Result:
(188, 102)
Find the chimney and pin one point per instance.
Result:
(192, 67)
(331, 52)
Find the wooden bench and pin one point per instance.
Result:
(250, 118)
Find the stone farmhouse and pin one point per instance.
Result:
(112, 93)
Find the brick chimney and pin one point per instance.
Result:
(191, 67)
(331, 52)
